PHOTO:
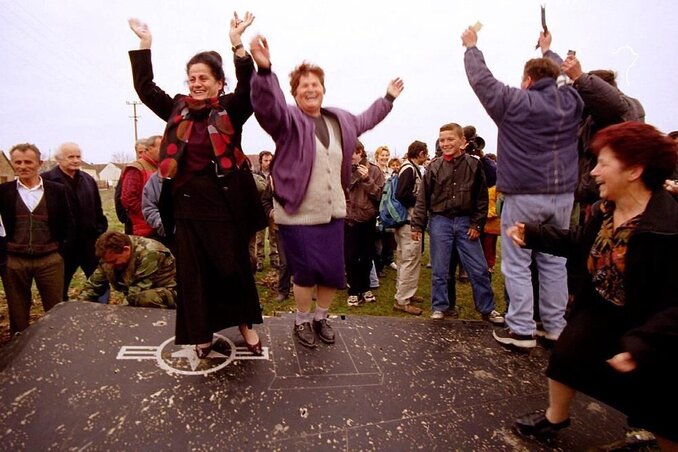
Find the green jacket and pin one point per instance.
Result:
(151, 266)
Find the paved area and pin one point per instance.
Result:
(98, 377)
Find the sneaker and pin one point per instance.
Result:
(507, 337)
(260, 266)
(408, 308)
(324, 331)
(353, 300)
(493, 317)
(393, 265)
(452, 313)
(548, 336)
(536, 424)
(369, 297)
(305, 334)
(437, 315)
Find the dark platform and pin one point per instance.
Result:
(98, 377)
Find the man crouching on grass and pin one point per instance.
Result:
(141, 268)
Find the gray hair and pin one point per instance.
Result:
(59, 154)
(150, 141)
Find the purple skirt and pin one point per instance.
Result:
(315, 253)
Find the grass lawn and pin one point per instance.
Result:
(266, 283)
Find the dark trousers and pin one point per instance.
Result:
(359, 253)
(284, 273)
(82, 256)
(385, 246)
(48, 273)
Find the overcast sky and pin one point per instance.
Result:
(66, 74)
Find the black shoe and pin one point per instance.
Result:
(536, 424)
(451, 313)
(305, 334)
(324, 331)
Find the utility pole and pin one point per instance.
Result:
(134, 104)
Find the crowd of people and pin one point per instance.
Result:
(582, 193)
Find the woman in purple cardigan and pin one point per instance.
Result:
(312, 169)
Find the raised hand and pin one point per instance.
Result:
(141, 30)
(238, 27)
(395, 87)
(260, 52)
(544, 41)
(572, 67)
(469, 38)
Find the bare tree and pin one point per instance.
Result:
(121, 157)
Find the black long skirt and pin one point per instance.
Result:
(592, 336)
(215, 284)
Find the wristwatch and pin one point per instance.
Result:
(235, 48)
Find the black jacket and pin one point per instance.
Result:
(453, 189)
(84, 200)
(650, 277)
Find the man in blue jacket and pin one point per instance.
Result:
(537, 173)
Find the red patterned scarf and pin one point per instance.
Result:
(178, 133)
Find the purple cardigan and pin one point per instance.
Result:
(294, 134)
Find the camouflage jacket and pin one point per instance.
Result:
(151, 266)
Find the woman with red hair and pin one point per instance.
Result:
(621, 341)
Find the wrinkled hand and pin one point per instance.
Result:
(545, 41)
(416, 235)
(238, 27)
(260, 52)
(473, 234)
(623, 362)
(517, 234)
(572, 67)
(141, 30)
(469, 38)
(395, 87)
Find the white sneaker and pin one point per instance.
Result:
(437, 315)
(369, 297)
(547, 336)
(393, 265)
(493, 317)
(353, 300)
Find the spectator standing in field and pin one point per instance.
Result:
(88, 215)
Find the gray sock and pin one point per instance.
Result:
(303, 317)
(320, 313)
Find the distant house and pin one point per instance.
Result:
(6, 170)
(90, 169)
(109, 175)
